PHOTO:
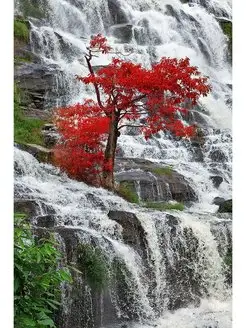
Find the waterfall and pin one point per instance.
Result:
(177, 278)
(183, 263)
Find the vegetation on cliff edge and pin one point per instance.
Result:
(37, 277)
(26, 130)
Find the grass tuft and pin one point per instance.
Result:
(26, 130)
(93, 265)
(163, 170)
(127, 191)
(21, 30)
(161, 206)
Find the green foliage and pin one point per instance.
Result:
(21, 30)
(20, 59)
(37, 278)
(227, 29)
(26, 130)
(127, 191)
(163, 170)
(160, 206)
(227, 266)
(34, 8)
(92, 264)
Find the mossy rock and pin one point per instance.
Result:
(24, 58)
(126, 190)
(33, 8)
(93, 265)
(162, 170)
(227, 266)
(26, 130)
(227, 29)
(22, 30)
(163, 206)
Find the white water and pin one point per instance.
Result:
(75, 21)
(75, 208)
(178, 37)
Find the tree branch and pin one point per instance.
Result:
(132, 126)
(88, 61)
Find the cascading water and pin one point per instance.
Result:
(179, 279)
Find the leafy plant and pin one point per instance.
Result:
(164, 206)
(37, 278)
(21, 30)
(125, 92)
(21, 59)
(92, 264)
(227, 29)
(127, 191)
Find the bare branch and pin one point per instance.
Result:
(132, 126)
(88, 61)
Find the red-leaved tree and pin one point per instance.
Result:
(127, 94)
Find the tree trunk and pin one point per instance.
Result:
(109, 155)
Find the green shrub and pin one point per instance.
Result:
(21, 59)
(227, 266)
(34, 8)
(163, 170)
(37, 278)
(26, 130)
(227, 29)
(164, 206)
(21, 30)
(92, 265)
(127, 191)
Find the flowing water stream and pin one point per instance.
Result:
(180, 281)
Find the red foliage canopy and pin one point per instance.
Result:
(125, 93)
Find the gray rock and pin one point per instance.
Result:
(144, 35)
(117, 14)
(217, 155)
(26, 206)
(226, 206)
(38, 83)
(143, 174)
(217, 180)
(133, 232)
(122, 32)
(45, 221)
(218, 200)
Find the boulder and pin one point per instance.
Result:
(152, 182)
(45, 221)
(133, 232)
(26, 206)
(216, 155)
(218, 200)
(122, 32)
(225, 207)
(217, 180)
